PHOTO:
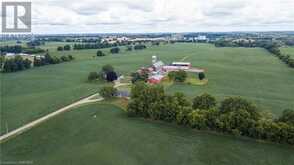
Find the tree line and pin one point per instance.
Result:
(96, 45)
(48, 59)
(274, 49)
(15, 64)
(16, 49)
(234, 115)
(64, 48)
(18, 63)
(270, 46)
(116, 50)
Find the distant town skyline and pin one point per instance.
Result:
(159, 16)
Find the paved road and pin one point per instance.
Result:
(44, 118)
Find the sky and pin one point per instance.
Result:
(152, 16)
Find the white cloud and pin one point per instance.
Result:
(98, 16)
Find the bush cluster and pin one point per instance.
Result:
(274, 49)
(65, 47)
(108, 92)
(178, 76)
(20, 49)
(140, 47)
(48, 59)
(107, 73)
(235, 115)
(97, 45)
(16, 64)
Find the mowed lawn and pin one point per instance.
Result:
(103, 134)
(251, 73)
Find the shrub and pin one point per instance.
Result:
(70, 57)
(107, 68)
(129, 48)
(114, 50)
(59, 48)
(108, 92)
(178, 76)
(64, 58)
(142, 76)
(201, 76)
(66, 47)
(92, 76)
(56, 60)
(204, 101)
(139, 47)
(100, 53)
(287, 117)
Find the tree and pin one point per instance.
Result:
(201, 76)
(237, 122)
(129, 48)
(100, 53)
(60, 48)
(48, 59)
(287, 117)
(107, 68)
(2, 60)
(37, 62)
(196, 119)
(27, 63)
(56, 60)
(182, 100)
(70, 57)
(108, 92)
(139, 47)
(114, 50)
(178, 76)
(111, 76)
(232, 104)
(204, 102)
(64, 58)
(92, 76)
(140, 76)
(66, 47)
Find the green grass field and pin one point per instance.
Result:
(78, 137)
(288, 50)
(251, 73)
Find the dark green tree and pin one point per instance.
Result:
(108, 92)
(100, 53)
(201, 76)
(204, 101)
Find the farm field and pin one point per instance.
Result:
(288, 50)
(102, 133)
(252, 73)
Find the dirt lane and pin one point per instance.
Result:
(44, 118)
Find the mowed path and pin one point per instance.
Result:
(44, 118)
(30, 125)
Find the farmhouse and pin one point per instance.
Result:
(158, 70)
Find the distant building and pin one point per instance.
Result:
(177, 37)
(201, 38)
(155, 79)
(177, 66)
